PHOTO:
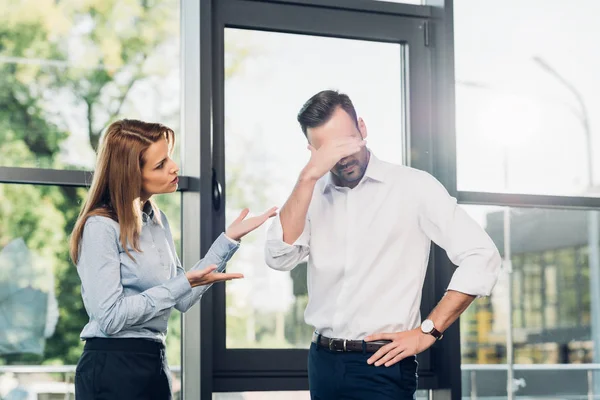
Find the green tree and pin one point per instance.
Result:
(69, 68)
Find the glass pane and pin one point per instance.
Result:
(41, 310)
(268, 78)
(416, 2)
(170, 204)
(554, 296)
(69, 68)
(527, 90)
(299, 395)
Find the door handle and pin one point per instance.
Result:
(217, 191)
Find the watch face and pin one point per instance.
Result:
(427, 326)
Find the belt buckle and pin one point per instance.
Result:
(331, 348)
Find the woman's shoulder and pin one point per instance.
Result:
(102, 218)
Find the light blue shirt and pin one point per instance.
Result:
(127, 298)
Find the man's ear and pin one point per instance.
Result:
(362, 128)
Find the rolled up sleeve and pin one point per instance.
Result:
(280, 255)
(466, 243)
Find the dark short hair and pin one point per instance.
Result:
(319, 109)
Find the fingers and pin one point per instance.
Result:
(242, 215)
(350, 141)
(221, 277)
(271, 212)
(381, 352)
(351, 148)
(401, 356)
(380, 336)
(387, 359)
(196, 277)
(205, 271)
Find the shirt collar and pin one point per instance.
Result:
(147, 212)
(375, 172)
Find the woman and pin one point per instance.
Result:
(131, 277)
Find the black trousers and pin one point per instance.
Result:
(123, 369)
(347, 376)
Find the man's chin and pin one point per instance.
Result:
(351, 178)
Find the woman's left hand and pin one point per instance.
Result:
(241, 226)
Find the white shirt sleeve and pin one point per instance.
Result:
(467, 244)
(280, 255)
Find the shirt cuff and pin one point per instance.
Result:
(275, 234)
(476, 280)
(237, 242)
(224, 248)
(179, 287)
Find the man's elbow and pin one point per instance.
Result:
(279, 262)
(496, 262)
(493, 272)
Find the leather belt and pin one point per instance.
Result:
(345, 345)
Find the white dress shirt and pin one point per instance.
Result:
(368, 249)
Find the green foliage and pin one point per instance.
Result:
(66, 68)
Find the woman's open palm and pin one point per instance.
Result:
(207, 276)
(241, 226)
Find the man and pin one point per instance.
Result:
(366, 226)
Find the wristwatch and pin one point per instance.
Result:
(428, 328)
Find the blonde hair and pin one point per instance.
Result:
(117, 183)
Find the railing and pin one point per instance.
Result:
(472, 370)
(67, 371)
(469, 370)
(51, 369)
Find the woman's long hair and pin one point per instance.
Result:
(117, 182)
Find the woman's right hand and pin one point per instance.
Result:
(206, 276)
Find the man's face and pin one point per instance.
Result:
(349, 170)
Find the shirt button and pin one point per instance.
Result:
(164, 318)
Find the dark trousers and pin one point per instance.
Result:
(347, 376)
(122, 369)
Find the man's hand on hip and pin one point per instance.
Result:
(404, 344)
(324, 159)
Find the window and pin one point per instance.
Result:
(526, 91)
(68, 69)
(266, 150)
(550, 307)
(269, 58)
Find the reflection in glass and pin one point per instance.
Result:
(416, 2)
(268, 78)
(298, 395)
(170, 204)
(529, 93)
(551, 306)
(69, 68)
(34, 260)
(41, 310)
